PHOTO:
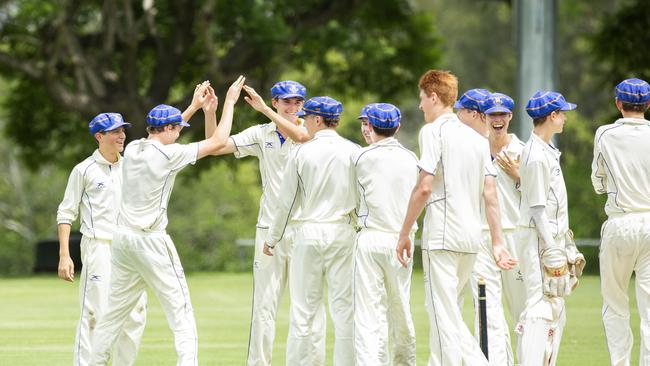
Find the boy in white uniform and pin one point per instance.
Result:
(505, 150)
(621, 169)
(386, 172)
(143, 254)
(272, 143)
(93, 193)
(317, 186)
(456, 172)
(541, 230)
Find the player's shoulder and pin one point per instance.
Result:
(605, 129)
(85, 165)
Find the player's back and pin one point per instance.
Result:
(624, 147)
(462, 156)
(149, 172)
(386, 173)
(325, 178)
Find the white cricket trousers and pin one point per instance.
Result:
(322, 254)
(446, 274)
(382, 290)
(140, 260)
(625, 248)
(542, 322)
(93, 299)
(270, 278)
(510, 284)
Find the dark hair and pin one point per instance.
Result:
(634, 107)
(159, 129)
(539, 121)
(386, 132)
(331, 122)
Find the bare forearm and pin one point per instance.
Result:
(493, 216)
(64, 240)
(417, 202)
(293, 131)
(188, 113)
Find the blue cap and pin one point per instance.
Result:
(634, 90)
(542, 103)
(472, 99)
(288, 89)
(323, 106)
(498, 102)
(364, 111)
(164, 114)
(104, 122)
(384, 115)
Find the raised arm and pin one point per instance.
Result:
(295, 132)
(198, 100)
(215, 144)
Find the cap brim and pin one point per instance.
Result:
(185, 124)
(457, 105)
(497, 110)
(362, 116)
(300, 113)
(287, 96)
(568, 107)
(117, 125)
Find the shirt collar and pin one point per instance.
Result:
(633, 121)
(99, 158)
(326, 132)
(547, 147)
(388, 141)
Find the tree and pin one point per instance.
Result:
(71, 59)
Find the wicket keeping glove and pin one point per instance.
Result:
(575, 259)
(556, 271)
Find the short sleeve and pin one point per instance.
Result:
(488, 166)
(248, 142)
(430, 150)
(69, 208)
(181, 155)
(535, 183)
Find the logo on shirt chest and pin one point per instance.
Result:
(268, 144)
(100, 185)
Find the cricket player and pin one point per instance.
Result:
(272, 143)
(621, 169)
(505, 150)
(456, 173)
(318, 187)
(363, 118)
(542, 229)
(470, 110)
(93, 193)
(386, 172)
(143, 254)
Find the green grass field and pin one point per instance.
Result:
(39, 317)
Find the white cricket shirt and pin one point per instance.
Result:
(459, 159)
(93, 190)
(508, 193)
(386, 173)
(149, 172)
(621, 165)
(263, 142)
(542, 184)
(319, 180)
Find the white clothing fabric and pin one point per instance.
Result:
(150, 170)
(620, 169)
(143, 260)
(93, 193)
(446, 273)
(317, 184)
(263, 142)
(322, 254)
(541, 324)
(93, 298)
(386, 173)
(621, 166)
(382, 310)
(459, 159)
(542, 184)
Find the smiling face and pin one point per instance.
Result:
(113, 140)
(498, 123)
(288, 108)
(365, 130)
